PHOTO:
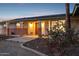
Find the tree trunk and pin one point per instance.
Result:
(68, 21)
(68, 24)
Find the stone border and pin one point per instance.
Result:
(39, 53)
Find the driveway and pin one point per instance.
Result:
(13, 48)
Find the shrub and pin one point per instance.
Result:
(62, 38)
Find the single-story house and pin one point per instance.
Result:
(36, 26)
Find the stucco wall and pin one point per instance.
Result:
(12, 29)
(1, 30)
(24, 29)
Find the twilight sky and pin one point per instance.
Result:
(11, 10)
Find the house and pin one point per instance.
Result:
(31, 26)
(37, 26)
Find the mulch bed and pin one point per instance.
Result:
(39, 44)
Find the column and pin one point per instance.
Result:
(50, 24)
(21, 28)
(46, 27)
(39, 26)
(7, 29)
(25, 27)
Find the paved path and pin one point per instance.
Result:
(21, 39)
(10, 48)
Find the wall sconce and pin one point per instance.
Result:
(18, 24)
(5, 25)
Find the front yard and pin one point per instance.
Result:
(59, 42)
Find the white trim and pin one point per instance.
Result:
(39, 53)
(75, 10)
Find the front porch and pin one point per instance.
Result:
(30, 28)
(35, 28)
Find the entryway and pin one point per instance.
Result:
(33, 28)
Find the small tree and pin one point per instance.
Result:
(58, 37)
(56, 32)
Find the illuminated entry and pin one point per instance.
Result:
(31, 28)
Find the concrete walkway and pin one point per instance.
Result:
(22, 39)
(25, 39)
(13, 48)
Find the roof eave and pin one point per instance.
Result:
(75, 8)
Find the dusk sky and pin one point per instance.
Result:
(29, 10)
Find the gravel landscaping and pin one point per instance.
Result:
(41, 45)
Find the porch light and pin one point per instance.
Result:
(18, 24)
(30, 24)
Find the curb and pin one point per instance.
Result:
(15, 41)
(18, 40)
(39, 53)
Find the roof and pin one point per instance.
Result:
(42, 17)
(76, 10)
